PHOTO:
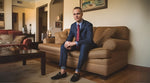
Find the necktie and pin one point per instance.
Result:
(78, 32)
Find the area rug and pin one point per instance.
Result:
(17, 73)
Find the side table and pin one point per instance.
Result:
(30, 35)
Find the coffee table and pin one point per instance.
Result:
(7, 55)
(8, 45)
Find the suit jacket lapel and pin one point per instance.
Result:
(75, 28)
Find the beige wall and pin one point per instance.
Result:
(131, 13)
(68, 16)
(30, 18)
(56, 10)
(37, 5)
(8, 14)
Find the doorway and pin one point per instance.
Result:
(42, 21)
(56, 16)
(15, 21)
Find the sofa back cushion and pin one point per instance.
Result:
(122, 32)
(67, 31)
(4, 31)
(102, 35)
(60, 37)
(15, 33)
(97, 35)
(5, 38)
(19, 39)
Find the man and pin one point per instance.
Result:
(82, 30)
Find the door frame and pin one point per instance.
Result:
(15, 20)
(37, 20)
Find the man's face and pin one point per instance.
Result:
(77, 14)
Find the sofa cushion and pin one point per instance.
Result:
(19, 39)
(97, 34)
(3, 32)
(93, 54)
(50, 47)
(15, 33)
(27, 42)
(5, 38)
(102, 35)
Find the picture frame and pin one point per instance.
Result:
(89, 5)
(1, 5)
(58, 24)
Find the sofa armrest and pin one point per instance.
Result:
(116, 44)
(49, 40)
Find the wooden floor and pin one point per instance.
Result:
(130, 74)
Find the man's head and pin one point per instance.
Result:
(77, 14)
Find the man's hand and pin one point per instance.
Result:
(69, 44)
(72, 43)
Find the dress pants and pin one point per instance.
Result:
(84, 50)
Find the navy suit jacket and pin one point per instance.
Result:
(86, 33)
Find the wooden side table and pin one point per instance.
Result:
(30, 35)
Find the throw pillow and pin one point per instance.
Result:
(97, 35)
(5, 38)
(108, 33)
(27, 42)
(19, 39)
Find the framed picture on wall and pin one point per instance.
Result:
(1, 5)
(88, 5)
(58, 24)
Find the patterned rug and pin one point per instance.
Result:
(31, 73)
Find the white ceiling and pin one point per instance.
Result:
(25, 3)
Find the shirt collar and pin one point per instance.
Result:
(79, 23)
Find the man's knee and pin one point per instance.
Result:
(85, 47)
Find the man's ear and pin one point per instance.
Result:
(82, 13)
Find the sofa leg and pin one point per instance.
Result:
(104, 77)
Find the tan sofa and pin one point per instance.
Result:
(110, 55)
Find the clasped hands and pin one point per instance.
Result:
(69, 44)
